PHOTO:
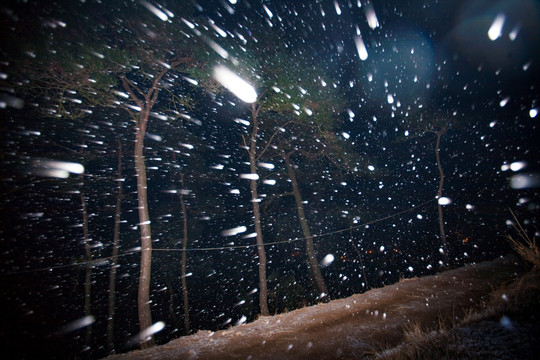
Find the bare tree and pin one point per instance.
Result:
(439, 132)
(184, 256)
(437, 124)
(114, 261)
(145, 101)
(310, 249)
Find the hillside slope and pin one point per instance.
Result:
(346, 328)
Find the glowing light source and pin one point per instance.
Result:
(495, 29)
(361, 47)
(76, 325)
(249, 176)
(371, 16)
(160, 14)
(234, 231)
(54, 168)
(338, 9)
(146, 333)
(327, 260)
(235, 84)
(518, 165)
(268, 12)
(525, 181)
(444, 201)
(266, 165)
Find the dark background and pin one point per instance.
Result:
(459, 73)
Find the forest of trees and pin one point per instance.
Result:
(123, 92)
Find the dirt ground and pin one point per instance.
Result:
(346, 328)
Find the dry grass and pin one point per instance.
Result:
(524, 245)
(426, 343)
(446, 341)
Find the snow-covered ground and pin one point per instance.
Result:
(347, 328)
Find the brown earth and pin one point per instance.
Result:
(347, 328)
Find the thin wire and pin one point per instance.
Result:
(104, 260)
(301, 238)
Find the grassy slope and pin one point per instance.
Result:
(362, 325)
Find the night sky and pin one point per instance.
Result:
(400, 67)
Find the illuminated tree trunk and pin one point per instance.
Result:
(184, 258)
(114, 262)
(263, 293)
(88, 271)
(310, 250)
(361, 261)
(444, 246)
(145, 101)
(143, 299)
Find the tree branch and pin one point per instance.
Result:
(129, 86)
(271, 139)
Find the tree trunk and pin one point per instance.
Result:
(145, 101)
(114, 262)
(88, 271)
(263, 293)
(439, 195)
(143, 300)
(184, 259)
(361, 262)
(314, 263)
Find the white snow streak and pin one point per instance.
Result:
(235, 84)
(154, 10)
(495, 30)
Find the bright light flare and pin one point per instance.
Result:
(146, 333)
(371, 16)
(513, 34)
(338, 9)
(268, 12)
(55, 168)
(327, 260)
(235, 84)
(444, 201)
(241, 122)
(361, 47)
(525, 181)
(218, 49)
(518, 165)
(76, 325)
(249, 176)
(121, 94)
(154, 10)
(266, 165)
(495, 30)
(242, 320)
(188, 23)
(234, 231)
